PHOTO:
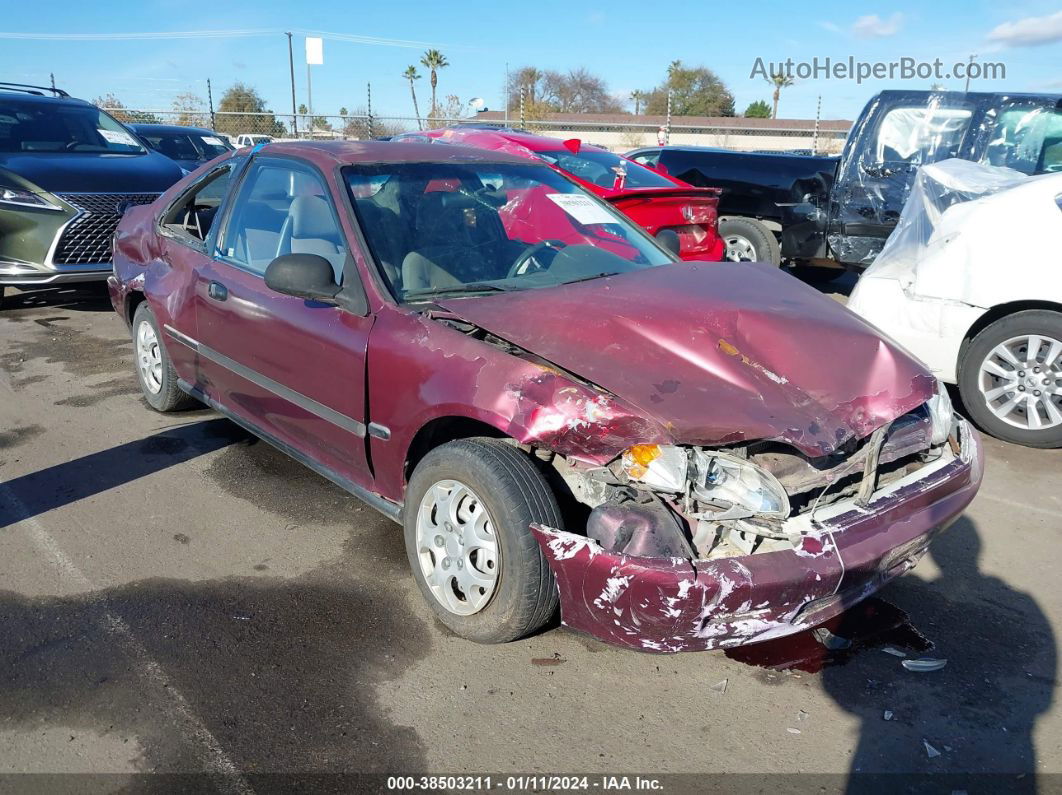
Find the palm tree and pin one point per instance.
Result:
(434, 61)
(637, 96)
(779, 81)
(411, 74)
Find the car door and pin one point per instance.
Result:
(293, 369)
(898, 133)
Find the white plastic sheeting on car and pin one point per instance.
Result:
(970, 237)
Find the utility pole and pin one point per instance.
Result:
(506, 93)
(667, 127)
(368, 88)
(521, 107)
(968, 65)
(291, 68)
(210, 104)
(52, 76)
(815, 137)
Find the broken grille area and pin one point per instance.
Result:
(87, 239)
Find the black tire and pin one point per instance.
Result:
(515, 494)
(1038, 321)
(764, 243)
(169, 397)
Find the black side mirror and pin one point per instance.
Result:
(669, 239)
(302, 275)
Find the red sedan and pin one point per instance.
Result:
(685, 455)
(683, 217)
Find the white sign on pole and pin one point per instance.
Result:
(314, 51)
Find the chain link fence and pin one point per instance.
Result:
(617, 136)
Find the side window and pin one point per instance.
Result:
(1028, 139)
(918, 135)
(647, 159)
(282, 208)
(191, 217)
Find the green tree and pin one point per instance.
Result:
(779, 81)
(638, 97)
(303, 110)
(253, 116)
(695, 91)
(433, 60)
(758, 110)
(412, 74)
(343, 111)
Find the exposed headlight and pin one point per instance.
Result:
(940, 414)
(25, 198)
(658, 466)
(740, 487)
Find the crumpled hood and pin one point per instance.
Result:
(80, 172)
(717, 352)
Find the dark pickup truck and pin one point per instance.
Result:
(837, 211)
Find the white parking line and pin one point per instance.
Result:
(1021, 506)
(224, 772)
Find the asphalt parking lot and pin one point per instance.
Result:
(176, 596)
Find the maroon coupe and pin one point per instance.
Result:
(685, 455)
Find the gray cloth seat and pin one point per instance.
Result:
(311, 229)
(420, 273)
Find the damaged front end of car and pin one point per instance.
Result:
(690, 548)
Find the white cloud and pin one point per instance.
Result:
(833, 27)
(874, 27)
(1029, 31)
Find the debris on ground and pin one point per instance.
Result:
(894, 651)
(793, 731)
(802, 715)
(831, 641)
(931, 752)
(887, 715)
(556, 659)
(719, 687)
(923, 665)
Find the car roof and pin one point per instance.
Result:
(171, 128)
(332, 153)
(41, 99)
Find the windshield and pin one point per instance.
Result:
(32, 126)
(600, 167)
(438, 228)
(184, 145)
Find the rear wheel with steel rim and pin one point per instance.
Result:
(1011, 378)
(469, 505)
(747, 240)
(155, 373)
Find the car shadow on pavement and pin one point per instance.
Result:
(280, 673)
(37, 492)
(968, 726)
(91, 297)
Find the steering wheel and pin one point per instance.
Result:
(529, 253)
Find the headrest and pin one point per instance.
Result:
(311, 217)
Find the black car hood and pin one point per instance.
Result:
(74, 172)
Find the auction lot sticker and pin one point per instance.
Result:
(582, 208)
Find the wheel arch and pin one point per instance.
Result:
(996, 313)
(440, 430)
(133, 300)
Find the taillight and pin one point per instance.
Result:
(704, 214)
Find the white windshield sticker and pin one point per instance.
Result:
(117, 137)
(582, 208)
(212, 141)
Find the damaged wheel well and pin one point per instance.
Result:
(132, 301)
(998, 313)
(442, 430)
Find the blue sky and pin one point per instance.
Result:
(628, 44)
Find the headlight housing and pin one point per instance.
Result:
(738, 487)
(25, 198)
(941, 414)
(741, 488)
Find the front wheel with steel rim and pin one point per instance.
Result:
(1010, 378)
(468, 508)
(155, 372)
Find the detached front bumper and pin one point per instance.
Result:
(848, 553)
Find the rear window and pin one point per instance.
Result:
(61, 128)
(602, 168)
